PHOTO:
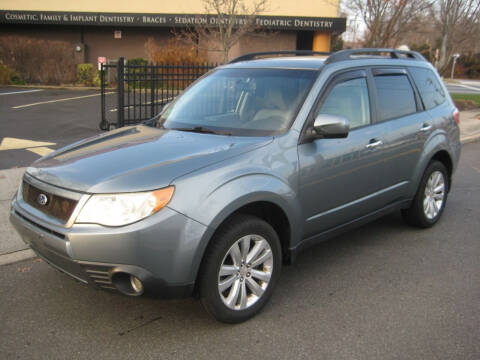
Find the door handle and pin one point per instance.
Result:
(373, 144)
(425, 127)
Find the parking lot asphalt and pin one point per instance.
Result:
(55, 116)
(383, 291)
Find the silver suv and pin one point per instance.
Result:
(253, 163)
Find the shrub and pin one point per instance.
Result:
(137, 61)
(468, 65)
(8, 76)
(38, 61)
(174, 52)
(425, 50)
(97, 81)
(85, 74)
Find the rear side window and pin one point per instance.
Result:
(395, 96)
(430, 89)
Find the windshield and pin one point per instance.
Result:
(249, 102)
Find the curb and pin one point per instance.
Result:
(16, 256)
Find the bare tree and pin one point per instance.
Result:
(223, 26)
(386, 20)
(458, 22)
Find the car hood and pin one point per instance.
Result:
(137, 158)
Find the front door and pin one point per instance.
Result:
(341, 179)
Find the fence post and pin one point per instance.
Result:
(120, 92)
(152, 91)
(103, 123)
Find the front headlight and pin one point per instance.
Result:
(123, 209)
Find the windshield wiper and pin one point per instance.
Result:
(203, 130)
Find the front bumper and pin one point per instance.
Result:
(162, 250)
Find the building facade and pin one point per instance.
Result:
(117, 28)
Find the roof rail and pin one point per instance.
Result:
(251, 56)
(352, 54)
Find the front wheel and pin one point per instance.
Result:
(431, 197)
(240, 269)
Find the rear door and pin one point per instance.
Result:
(400, 108)
(341, 179)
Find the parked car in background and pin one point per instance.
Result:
(253, 163)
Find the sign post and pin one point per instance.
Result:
(455, 57)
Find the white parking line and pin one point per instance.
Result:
(21, 92)
(42, 151)
(58, 100)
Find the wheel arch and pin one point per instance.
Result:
(435, 149)
(268, 210)
(444, 157)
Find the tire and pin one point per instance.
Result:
(239, 240)
(431, 197)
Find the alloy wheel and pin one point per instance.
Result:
(434, 195)
(245, 272)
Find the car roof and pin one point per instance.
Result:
(294, 62)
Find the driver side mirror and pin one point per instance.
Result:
(330, 126)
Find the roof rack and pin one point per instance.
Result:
(252, 56)
(342, 55)
(352, 54)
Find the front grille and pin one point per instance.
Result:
(57, 234)
(100, 275)
(56, 206)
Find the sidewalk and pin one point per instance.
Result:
(13, 249)
(469, 126)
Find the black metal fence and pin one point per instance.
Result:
(132, 93)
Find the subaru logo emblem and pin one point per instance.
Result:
(42, 199)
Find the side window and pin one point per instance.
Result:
(395, 96)
(349, 99)
(430, 89)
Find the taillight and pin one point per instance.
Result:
(456, 116)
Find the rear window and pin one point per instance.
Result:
(430, 89)
(395, 96)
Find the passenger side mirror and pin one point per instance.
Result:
(331, 126)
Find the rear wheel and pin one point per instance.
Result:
(240, 269)
(431, 197)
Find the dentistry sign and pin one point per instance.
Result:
(167, 20)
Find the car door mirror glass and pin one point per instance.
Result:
(331, 126)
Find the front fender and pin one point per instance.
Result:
(222, 201)
(244, 190)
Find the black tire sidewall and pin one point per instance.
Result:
(221, 243)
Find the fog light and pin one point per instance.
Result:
(137, 285)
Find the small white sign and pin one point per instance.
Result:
(101, 60)
(117, 34)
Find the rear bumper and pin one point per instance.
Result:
(161, 250)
